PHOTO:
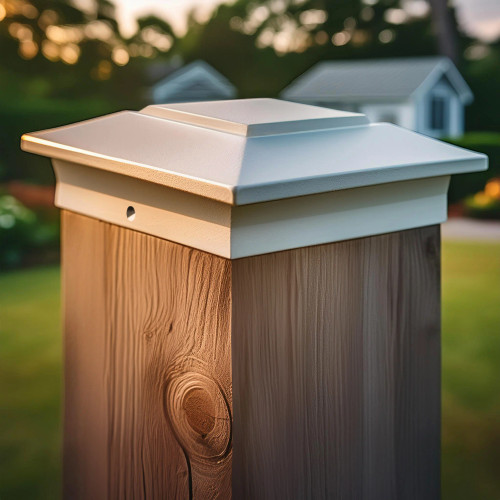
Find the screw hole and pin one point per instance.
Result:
(130, 213)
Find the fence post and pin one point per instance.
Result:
(251, 302)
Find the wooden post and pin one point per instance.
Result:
(148, 366)
(251, 303)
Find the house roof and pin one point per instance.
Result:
(191, 81)
(252, 150)
(158, 70)
(379, 79)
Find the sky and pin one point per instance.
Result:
(480, 18)
(175, 11)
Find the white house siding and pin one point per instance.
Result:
(342, 106)
(401, 113)
(456, 117)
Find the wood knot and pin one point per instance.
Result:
(148, 335)
(199, 414)
(200, 411)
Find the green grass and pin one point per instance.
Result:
(471, 371)
(30, 378)
(30, 385)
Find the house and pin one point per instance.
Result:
(197, 81)
(425, 94)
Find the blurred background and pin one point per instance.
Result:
(429, 65)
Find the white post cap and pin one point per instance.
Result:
(245, 177)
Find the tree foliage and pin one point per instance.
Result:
(52, 49)
(262, 45)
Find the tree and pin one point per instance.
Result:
(262, 45)
(52, 49)
(445, 29)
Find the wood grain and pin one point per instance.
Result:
(148, 371)
(336, 370)
(85, 405)
(306, 374)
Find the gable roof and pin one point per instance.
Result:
(195, 81)
(334, 81)
(157, 70)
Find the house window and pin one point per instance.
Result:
(438, 110)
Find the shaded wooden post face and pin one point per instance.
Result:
(251, 302)
(336, 370)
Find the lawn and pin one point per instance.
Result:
(471, 371)
(30, 377)
(30, 385)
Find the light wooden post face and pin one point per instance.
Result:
(148, 368)
(330, 353)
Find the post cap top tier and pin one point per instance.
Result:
(242, 152)
(256, 117)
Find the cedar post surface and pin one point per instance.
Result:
(147, 366)
(252, 305)
(335, 368)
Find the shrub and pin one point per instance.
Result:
(463, 186)
(23, 235)
(485, 204)
(17, 118)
